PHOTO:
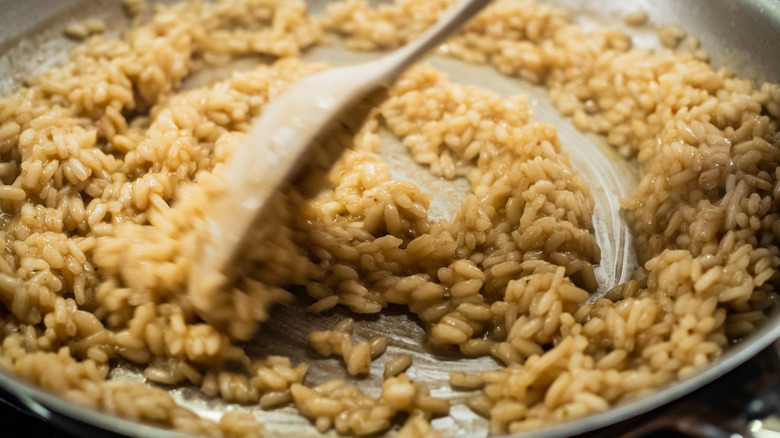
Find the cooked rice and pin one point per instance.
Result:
(636, 18)
(85, 28)
(671, 35)
(108, 167)
(337, 341)
(397, 365)
(463, 380)
(417, 427)
(347, 410)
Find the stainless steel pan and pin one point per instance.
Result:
(742, 35)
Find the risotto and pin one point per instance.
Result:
(109, 166)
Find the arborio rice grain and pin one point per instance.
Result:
(108, 167)
(337, 341)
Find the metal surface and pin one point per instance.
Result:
(741, 35)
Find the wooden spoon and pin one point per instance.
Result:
(279, 140)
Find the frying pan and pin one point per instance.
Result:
(742, 35)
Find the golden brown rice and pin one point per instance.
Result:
(107, 168)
